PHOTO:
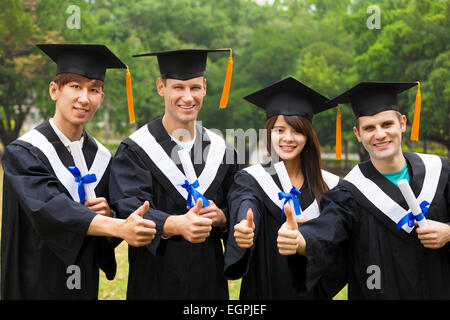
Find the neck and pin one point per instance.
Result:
(390, 165)
(182, 131)
(294, 170)
(71, 131)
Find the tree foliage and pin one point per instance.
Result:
(325, 44)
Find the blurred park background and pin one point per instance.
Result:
(329, 45)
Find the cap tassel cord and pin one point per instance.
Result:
(416, 120)
(130, 97)
(226, 86)
(338, 134)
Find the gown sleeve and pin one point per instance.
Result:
(327, 238)
(61, 222)
(242, 196)
(130, 185)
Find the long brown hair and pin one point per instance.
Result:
(310, 155)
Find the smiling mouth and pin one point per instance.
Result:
(288, 148)
(187, 107)
(381, 144)
(81, 110)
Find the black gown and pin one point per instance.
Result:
(170, 268)
(381, 262)
(265, 273)
(44, 229)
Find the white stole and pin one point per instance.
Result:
(145, 140)
(271, 189)
(98, 167)
(384, 203)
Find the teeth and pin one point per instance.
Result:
(81, 110)
(186, 107)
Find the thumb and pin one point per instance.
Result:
(198, 206)
(290, 220)
(250, 218)
(142, 209)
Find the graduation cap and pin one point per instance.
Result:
(88, 60)
(186, 64)
(369, 98)
(290, 97)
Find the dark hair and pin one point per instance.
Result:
(64, 78)
(310, 155)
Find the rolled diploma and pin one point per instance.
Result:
(285, 181)
(80, 163)
(187, 165)
(411, 200)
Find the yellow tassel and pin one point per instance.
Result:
(130, 97)
(338, 134)
(416, 120)
(226, 86)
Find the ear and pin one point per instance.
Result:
(53, 90)
(204, 86)
(356, 132)
(160, 87)
(403, 122)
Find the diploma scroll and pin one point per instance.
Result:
(187, 165)
(411, 200)
(80, 163)
(285, 180)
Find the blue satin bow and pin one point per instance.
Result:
(192, 193)
(291, 195)
(89, 178)
(409, 218)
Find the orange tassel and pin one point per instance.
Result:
(226, 86)
(416, 120)
(338, 134)
(130, 97)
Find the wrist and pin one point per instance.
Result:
(171, 226)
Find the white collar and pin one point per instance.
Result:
(66, 141)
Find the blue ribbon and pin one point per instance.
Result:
(193, 194)
(409, 218)
(89, 178)
(291, 195)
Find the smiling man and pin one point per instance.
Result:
(49, 226)
(373, 242)
(185, 261)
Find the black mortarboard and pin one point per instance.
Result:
(289, 97)
(186, 64)
(369, 98)
(90, 61)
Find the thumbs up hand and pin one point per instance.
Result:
(244, 231)
(195, 228)
(136, 230)
(290, 241)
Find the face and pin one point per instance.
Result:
(183, 99)
(287, 142)
(76, 102)
(381, 134)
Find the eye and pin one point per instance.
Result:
(75, 86)
(95, 90)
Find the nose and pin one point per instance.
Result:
(380, 133)
(83, 97)
(187, 97)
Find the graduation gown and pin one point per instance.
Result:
(265, 273)
(359, 218)
(43, 227)
(172, 268)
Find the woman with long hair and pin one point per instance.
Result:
(257, 199)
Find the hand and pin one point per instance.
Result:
(435, 235)
(215, 214)
(244, 231)
(99, 206)
(193, 227)
(290, 241)
(136, 230)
